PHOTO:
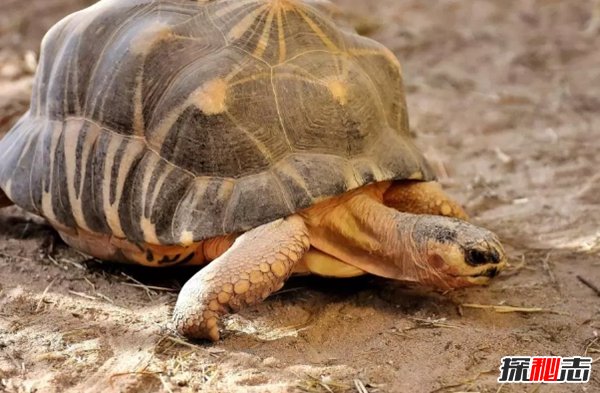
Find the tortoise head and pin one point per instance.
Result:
(458, 253)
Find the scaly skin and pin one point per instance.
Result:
(258, 264)
(422, 198)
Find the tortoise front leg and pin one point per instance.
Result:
(419, 197)
(4, 201)
(258, 264)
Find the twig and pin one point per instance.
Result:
(589, 285)
(164, 383)
(103, 296)
(587, 347)
(431, 323)
(73, 263)
(54, 261)
(83, 295)
(129, 284)
(549, 271)
(86, 256)
(360, 387)
(91, 284)
(507, 309)
(184, 343)
(3, 255)
(132, 279)
(39, 305)
(149, 292)
(51, 356)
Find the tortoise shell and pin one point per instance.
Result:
(170, 122)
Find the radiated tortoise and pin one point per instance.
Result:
(256, 134)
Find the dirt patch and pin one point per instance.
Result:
(504, 99)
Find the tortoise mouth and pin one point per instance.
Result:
(490, 273)
(487, 273)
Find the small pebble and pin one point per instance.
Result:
(271, 362)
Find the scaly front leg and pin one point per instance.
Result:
(422, 198)
(258, 264)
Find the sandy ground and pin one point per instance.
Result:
(504, 98)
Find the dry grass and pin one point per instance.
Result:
(312, 384)
(508, 309)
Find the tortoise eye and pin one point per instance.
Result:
(478, 257)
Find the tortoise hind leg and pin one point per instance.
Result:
(422, 198)
(258, 264)
(4, 200)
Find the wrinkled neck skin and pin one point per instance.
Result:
(360, 230)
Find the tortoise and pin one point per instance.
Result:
(257, 135)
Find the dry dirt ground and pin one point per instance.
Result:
(505, 99)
